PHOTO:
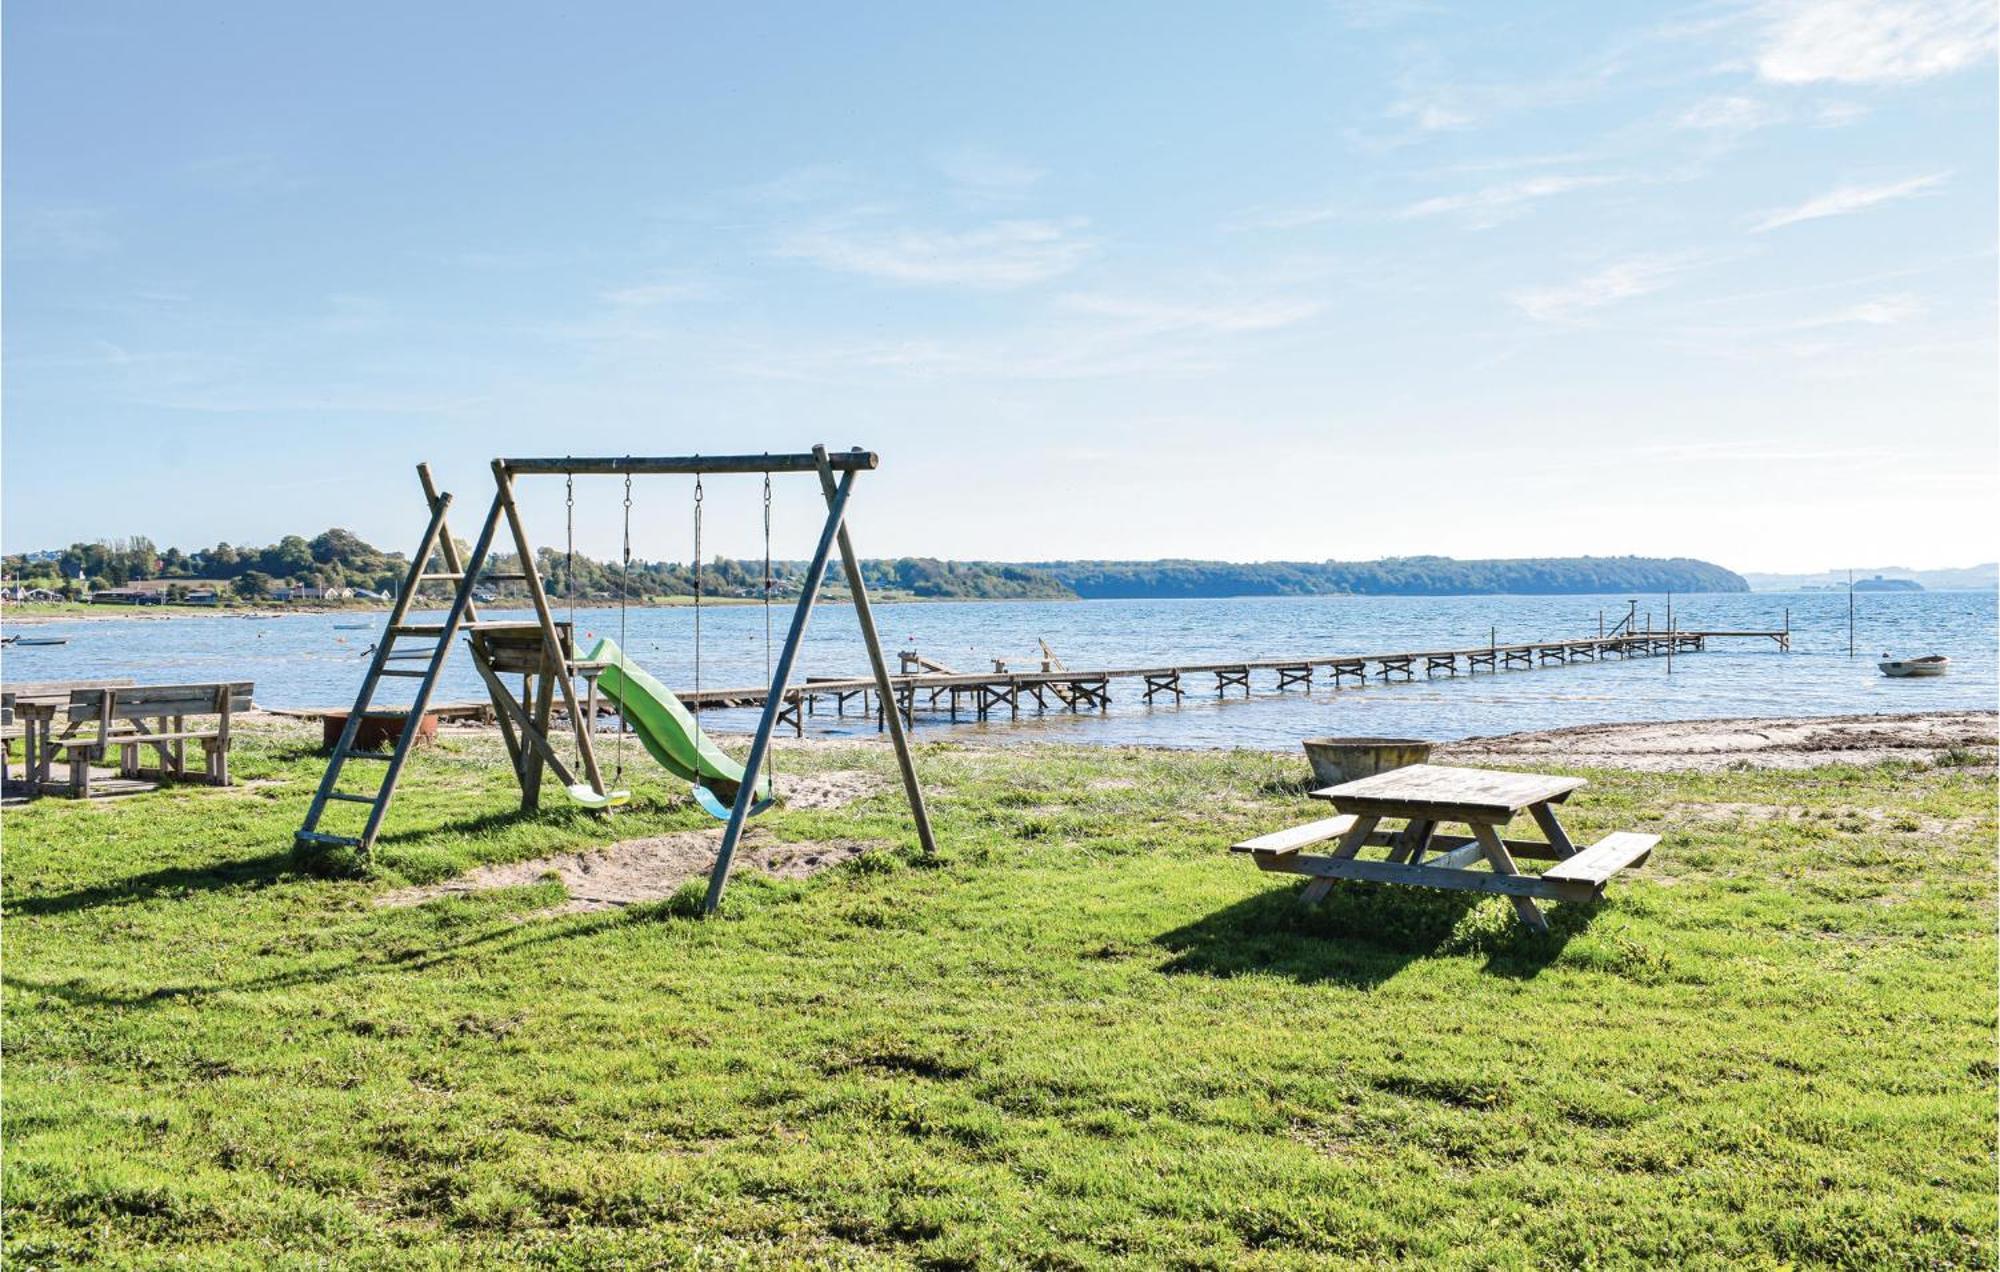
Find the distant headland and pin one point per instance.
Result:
(1882, 578)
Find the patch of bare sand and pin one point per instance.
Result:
(655, 868)
(1708, 745)
(816, 792)
(635, 870)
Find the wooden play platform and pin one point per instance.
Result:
(1427, 795)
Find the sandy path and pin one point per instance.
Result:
(1782, 743)
(654, 868)
(634, 870)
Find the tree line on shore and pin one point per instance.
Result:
(339, 559)
(1393, 576)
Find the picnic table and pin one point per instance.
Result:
(82, 721)
(1425, 796)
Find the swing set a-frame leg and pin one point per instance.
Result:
(864, 616)
(774, 701)
(835, 530)
(557, 661)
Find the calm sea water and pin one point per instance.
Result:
(310, 660)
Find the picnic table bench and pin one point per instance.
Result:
(1424, 796)
(97, 718)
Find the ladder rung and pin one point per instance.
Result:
(345, 798)
(440, 578)
(405, 671)
(317, 837)
(414, 653)
(503, 578)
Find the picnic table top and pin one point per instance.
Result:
(57, 691)
(1443, 793)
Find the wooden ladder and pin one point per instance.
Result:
(463, 615)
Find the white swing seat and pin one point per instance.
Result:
(588, 796)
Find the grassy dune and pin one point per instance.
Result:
(1086, 1037)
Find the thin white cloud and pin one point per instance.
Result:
(1731, 114)
(1222, 317)
(1873, 41)
(1639, 276)
(1881, 311)
(1438, 111)
(1433, 97)
(1837, 114)
(59, 232)
(983, 175)
(247, 173)
(1370, 15)
(1289, 218)
(1491, 204)
(809, 183)
(1846, 200)
(645, 295)
(998, 255)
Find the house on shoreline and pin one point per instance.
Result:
(162, 591)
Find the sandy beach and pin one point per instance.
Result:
(1786, 742)
(1775, 742)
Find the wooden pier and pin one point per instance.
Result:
(978, 695)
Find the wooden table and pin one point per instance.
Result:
(88, 719)
(1424, 796)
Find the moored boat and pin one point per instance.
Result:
(1931, 665)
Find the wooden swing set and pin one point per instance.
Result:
(543, 653)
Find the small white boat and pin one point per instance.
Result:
(38, 640)
(1934, 665)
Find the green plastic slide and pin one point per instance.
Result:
(666, 728)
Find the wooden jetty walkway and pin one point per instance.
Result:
(1076, 689)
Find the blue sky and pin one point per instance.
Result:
(1119, 280)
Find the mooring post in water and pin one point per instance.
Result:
(1850, 613)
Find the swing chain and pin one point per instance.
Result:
(772, 759)
(569, 546)
(624, 573)
(697, 621)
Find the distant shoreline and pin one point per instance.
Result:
(32, 613)
(35, 614)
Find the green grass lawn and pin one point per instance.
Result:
(1085, 1037)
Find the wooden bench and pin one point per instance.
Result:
(1596, 864)
(103, 719)
(1283, 843)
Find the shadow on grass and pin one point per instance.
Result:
(1363, 934)
(170, 883)
(476, 825)
(395, 953)
(293, 861)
